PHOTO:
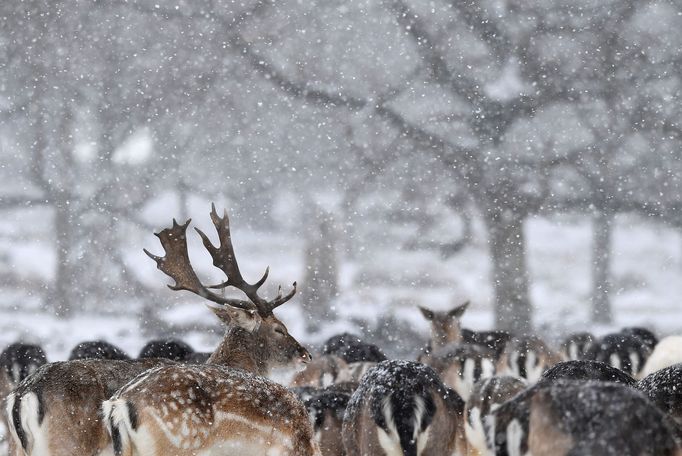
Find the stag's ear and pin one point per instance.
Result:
(428, 314)
(458, 311)
(234, 316)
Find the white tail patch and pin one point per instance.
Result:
(9, 406)
(534, 368)
(16, 373)
(473, 428)
(514, 438)
(489, 431)
(513, 363)
(468, 380)
(390, 441)
(634, 362)
(420, 437)
(117, 421)
(487, 368)
(35, 434)
(614, 360)
(572, 351)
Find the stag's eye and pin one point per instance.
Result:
(280, 331)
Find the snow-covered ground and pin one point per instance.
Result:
(647, 263)
(385, 283)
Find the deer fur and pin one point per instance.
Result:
(402, 407)
(568, 417)
(190, 409)
(667, 352)
(527, 357)
(486, 396)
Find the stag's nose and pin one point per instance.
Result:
(305, 356)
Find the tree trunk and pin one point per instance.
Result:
(62, 295)
(320, 284)
(510, 275)
(601, 259)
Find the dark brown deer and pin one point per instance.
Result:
(213, 409)
(56, 411)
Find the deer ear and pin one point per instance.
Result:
(459, 310)
(428, 314)
(234, 316)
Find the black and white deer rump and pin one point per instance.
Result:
(326, 408)
(18, 361)
(486, 396)
(403, 408)
(623, 350)
(460, 366)
(577, 417)
(526, 357)
(576, 346)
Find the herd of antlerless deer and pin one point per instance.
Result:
(468, 393)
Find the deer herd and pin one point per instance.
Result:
(467, 392)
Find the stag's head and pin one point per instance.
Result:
(253, 315)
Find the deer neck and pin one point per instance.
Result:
(241, 349)
(453, 335)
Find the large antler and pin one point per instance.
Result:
(176, 265)
(224, 259)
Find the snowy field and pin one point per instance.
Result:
(380, 283)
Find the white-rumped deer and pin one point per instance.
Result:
(578, 417)
(57, 410)
(214, 409)
(403, 408)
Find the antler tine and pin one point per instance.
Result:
(224, 259)
(176, 265)
(279, 299)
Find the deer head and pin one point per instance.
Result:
(445, 326)
(255, 339)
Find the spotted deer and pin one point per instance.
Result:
(402, 407)
(57, 410)
(184, 409)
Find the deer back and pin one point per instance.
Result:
(56, 410)
(183, 409)
(402, 407)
